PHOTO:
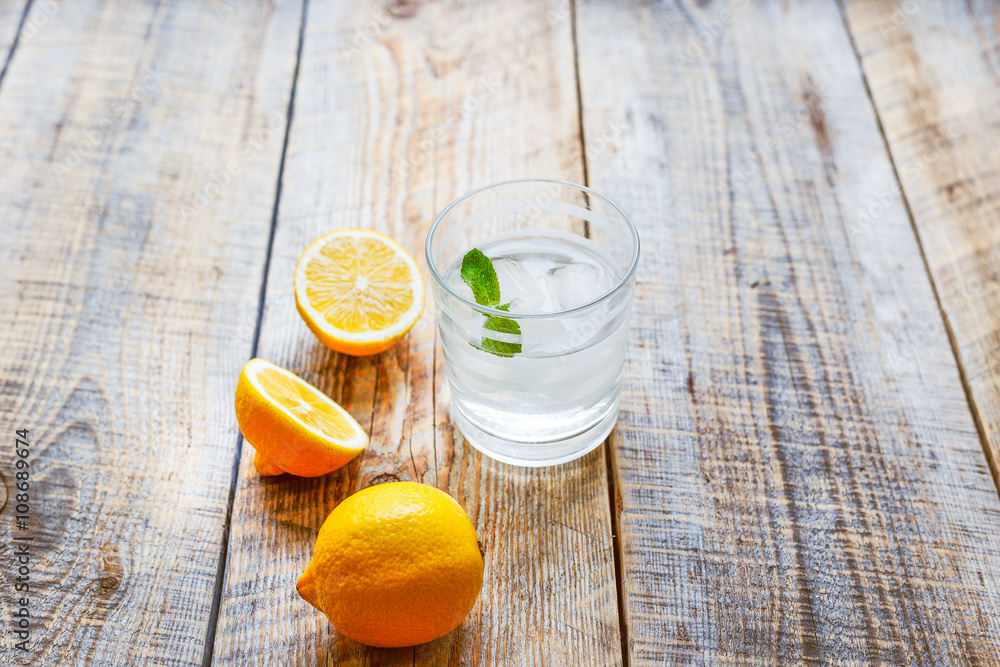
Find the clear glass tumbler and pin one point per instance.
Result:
(535, 372)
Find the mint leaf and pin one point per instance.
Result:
(503, 325)
(479, 275)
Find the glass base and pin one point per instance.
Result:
(541, 454)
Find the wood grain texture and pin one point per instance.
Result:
(127, 253)
(399, 109)
(933, 68)
(800, 477)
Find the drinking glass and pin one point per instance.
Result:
(535, 377)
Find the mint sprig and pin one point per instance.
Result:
(479, 274)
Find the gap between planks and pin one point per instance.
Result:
(213, 617)
(610, 466)
(994, 466)
(17, 40)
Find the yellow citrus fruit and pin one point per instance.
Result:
(396, 564)
(358, 291)
(293, 426)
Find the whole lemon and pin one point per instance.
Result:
(396, 564)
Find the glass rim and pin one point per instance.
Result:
(486, 310)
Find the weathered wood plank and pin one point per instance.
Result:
(800, 477)
(397, 112)
(127, 253)
(934, 74)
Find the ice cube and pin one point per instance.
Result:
(546, 334)
(542, 333)
(575, 284)
(517, 283)
(456, 282)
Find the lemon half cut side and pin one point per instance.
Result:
(358, 291)
(292, 425)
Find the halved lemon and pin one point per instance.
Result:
(294, 427)
(358, 291)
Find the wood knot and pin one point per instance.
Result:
(111, 570)
(951, 188)
(384, 478)
(817, 119)
(403, 9)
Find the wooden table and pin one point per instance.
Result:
(801, 472)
